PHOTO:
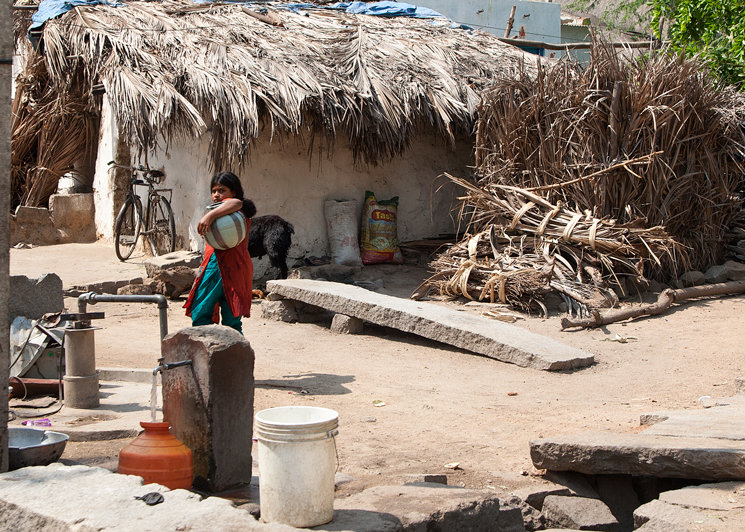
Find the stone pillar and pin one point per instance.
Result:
(210, 403)
(81, 379)
(6, 54)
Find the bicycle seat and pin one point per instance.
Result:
(138, 182)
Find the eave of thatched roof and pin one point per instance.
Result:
(175, 68)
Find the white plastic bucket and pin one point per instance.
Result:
(297, 463)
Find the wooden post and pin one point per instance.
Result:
(510, 21)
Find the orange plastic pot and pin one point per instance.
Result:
(158, 456)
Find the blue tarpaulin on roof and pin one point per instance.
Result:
(53, 8)
(387, 9)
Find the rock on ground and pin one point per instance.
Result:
(577, 512)
(92, 498)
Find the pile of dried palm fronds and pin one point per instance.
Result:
(585, 177)
(51, 130)
(236, 71)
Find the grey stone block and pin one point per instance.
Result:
(735, 270)
(642, 454)
(720, 496)
(174, 281)
(33, 298)
(658, 515)
(281, 310)
(423, 507)
(135, 290)
(716, 274)
(104, 287)
(80, 498)
(692, 278)
(73, 215)
(210, 403)
(494, 339)
(32, 225)
(418, 478)
(726, 422)
(578, 512)
(190, 259)
(346, 324)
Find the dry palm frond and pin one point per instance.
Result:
(620, 169)
(653, 141)
(50, 131)
(175, 69)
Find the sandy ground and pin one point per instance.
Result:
(442, 405)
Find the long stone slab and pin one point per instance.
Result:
(494, 339)
(725, 422)
(642, 454)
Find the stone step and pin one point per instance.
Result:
(653, 455)
(495, 339)
(725, 422)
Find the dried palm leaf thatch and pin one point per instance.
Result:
(618, 169)
(174, 68)
(50, 131)
(653, 141)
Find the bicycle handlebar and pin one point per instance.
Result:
(152, 176)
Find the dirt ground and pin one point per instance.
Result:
(444, 405)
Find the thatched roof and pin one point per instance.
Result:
(178, 68)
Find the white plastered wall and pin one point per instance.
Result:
(103, 182)
(281, 178)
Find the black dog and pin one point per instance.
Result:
(271, 235)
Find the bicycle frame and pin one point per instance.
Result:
(154, 222)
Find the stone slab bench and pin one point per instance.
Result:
(594, 453)
(494, 339)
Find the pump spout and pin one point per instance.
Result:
(162, 366)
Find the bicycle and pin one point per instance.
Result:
(157, 225)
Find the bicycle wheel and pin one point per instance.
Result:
(161, 226)
(127, 228)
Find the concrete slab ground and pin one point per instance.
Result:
(76, 264)
(123, 406)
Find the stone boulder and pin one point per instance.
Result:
(425, 506)
(33, 298)
(342, 324)
(73, 216)
(735, 270)
(32, 225)
(189, 259)
(716, 274)
(209, 403)
(280, 310)
(578, 513)
(174, 281)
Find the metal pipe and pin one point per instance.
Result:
(163, 366)
(93, 298)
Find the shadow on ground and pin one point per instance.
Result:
(310, 383)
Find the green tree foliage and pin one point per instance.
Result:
(715, 29)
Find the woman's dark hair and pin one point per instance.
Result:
(232, 182)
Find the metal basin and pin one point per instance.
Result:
(34, 447)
